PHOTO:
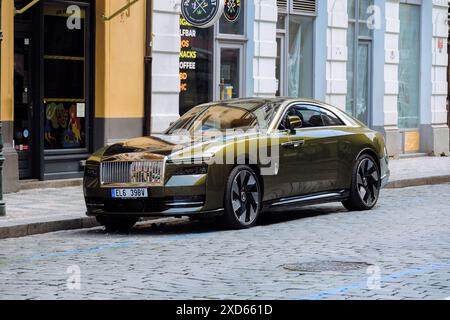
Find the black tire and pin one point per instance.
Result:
(119, 223)
(366, 185)
(242, 199)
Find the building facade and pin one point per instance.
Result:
(71, 85)
(72, 81)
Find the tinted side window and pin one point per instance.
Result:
(330, 119)
(310, 116)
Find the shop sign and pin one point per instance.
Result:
(232, 10)
(202, 13)
(196, 68)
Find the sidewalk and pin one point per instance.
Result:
(419, 171)
(39, 211)
(47, 210)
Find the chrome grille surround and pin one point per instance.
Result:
(132, 173)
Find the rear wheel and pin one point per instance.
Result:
(366, 184)
(122, 223)
(242, 198)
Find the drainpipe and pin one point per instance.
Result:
(2, 158)
(148, 68)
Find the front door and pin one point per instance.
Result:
(65, 88)
(314, 162)
(24, 132)
(230, 78)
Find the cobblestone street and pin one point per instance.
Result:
(400, 250)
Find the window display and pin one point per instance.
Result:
(196, 65)
(409, 67)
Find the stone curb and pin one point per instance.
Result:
(34, 228)
(54, 184)
(29, 229)
(417, 182)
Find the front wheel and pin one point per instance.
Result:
(242, 198)
(366, 184)
(113, 224)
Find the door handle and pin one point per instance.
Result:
(293, 144)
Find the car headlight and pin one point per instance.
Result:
(200, 159)
(91, 172)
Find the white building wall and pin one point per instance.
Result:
(264, 61)
(166, 61)
(391, 84)
(336, 73)
(438, 139)
(440, 62)
(391, 64)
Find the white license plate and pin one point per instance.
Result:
(129, 193)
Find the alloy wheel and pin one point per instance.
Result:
(368, 182)
(245, 197)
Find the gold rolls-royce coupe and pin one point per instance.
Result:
(234, 159)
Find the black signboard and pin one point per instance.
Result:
(202, 13)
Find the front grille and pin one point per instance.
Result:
(134, 172)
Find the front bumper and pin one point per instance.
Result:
(167, 206)
(180, 196)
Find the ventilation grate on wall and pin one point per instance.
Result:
(304, 6)
(282, 6)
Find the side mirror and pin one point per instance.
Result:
(295, 123)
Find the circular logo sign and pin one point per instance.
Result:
(202, 13)
(232, 10)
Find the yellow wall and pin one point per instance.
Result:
(120, 49)
(7, 89)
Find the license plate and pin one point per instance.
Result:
(129, 193)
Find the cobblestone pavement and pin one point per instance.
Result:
(400, 250)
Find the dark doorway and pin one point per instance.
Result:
(65, 87)
(23, 104)
(25, 134)
(53, 88)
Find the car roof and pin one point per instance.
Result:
(349, 120)
(273, 100)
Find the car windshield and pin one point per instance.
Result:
(243, 115)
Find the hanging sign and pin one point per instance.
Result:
(232, 10)
(202, 13)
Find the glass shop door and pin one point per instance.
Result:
(65, 88)
(231, 57)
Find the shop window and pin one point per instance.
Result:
(295, 52)
(196, 66)
(359, 48)
(409, 67)
(300, 56)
